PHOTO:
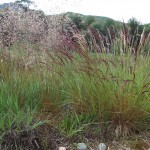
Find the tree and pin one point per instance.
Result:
(109, 22)
(89, 20)
(77, 20)
(136, 29)
(147, 28)
(98, 26)
(135, 26)
(25, 4)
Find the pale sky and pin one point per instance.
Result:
(115, 9)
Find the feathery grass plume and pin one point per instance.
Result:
(125, 35)
(96, 38)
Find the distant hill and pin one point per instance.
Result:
(98, 22)
(96, 17)
(6, 5)
(11, 5)
(101, 19)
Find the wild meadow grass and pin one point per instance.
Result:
(58, 80)
(112, 89)
(78, 92)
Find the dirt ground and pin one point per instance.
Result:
(46, 137)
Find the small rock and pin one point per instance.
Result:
(81, 146)
(62, 148)
(102, 146)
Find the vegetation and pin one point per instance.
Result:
(96, 85)
(24, 3)
(102, 23)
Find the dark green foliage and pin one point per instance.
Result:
(77, 20)
(147, 28)
(89, 20)
(24, 4)
(97, 22)
(136, 29)
(135, 26)
(97, 26)
(109, 22)
(103, 23)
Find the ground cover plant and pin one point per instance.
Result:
(93, 87)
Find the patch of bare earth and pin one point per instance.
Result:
(47, 137)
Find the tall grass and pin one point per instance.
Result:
(77, 88)
(109, 88)
(111, 91)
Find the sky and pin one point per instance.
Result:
(115, 9)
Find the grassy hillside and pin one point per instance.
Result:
(98, 22)
(97, 18)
